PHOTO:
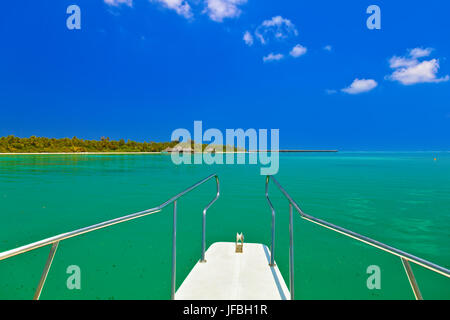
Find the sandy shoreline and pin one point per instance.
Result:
(166, 153)
(71, 153)
(91, 153)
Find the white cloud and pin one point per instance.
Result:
(328, 48)
(397, 62)
(330, 91)
(420, 52)
(181, 7)
(360, 85)
(277, 21)
(248, 38)
(273, 57)
(277, 28)
(411, 59)
(298, 51)
(409, 70)
(425, 71)
(116, 3)
(218, 10)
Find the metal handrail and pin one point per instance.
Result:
(56, 239)
(404, 256)
(204, 219)
(272, 246)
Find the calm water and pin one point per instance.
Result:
(402, 199)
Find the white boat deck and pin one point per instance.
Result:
(228, 275)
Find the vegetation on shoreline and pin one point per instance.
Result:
(12, 144)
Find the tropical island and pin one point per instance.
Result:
(13, 144)
(33, 145)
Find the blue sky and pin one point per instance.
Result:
(139, 69)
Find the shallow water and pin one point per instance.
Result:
(402, 199)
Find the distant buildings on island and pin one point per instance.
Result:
(185, 149)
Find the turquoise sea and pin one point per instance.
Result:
(401, 199)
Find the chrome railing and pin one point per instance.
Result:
(404, 256)
(54, 241)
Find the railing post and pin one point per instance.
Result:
(291, 251)
(272, 249)
(203, 236)
(412, 279)
(47, 266)
(174, 250)
(202, 258)
(272, 246)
